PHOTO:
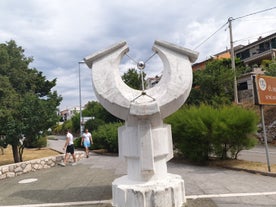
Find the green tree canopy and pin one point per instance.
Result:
(28, 106)
(214, 85)
(133, 79)
(100, 115)
(269, 67)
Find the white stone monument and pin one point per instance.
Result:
(144, 141)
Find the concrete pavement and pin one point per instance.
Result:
(89, 184)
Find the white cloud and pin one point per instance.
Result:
(59, 34)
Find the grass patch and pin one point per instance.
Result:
(28, 154)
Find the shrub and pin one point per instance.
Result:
(77, 142)
(94, 123)
(39, 142)
(106, 137)
(234, 131)
(204, 131)
(191, 129)
(57, 129)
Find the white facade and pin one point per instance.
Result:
(69, 112)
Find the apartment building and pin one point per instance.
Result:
(202, 65)
(252, 55)
(69, 112)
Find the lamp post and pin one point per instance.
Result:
(81, 121)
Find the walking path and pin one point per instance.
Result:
(89, 184)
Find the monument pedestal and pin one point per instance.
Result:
(165, 192)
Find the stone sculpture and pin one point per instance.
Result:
(144, 141)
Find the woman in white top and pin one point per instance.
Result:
(86, 141)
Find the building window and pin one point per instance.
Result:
(273, 43)
(244, 54)
(242, 86)
(264, 47)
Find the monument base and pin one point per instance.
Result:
(168, 191)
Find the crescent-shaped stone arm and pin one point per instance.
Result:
(108, 85)
(176, 82)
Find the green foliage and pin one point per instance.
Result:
(75, 120)
(3, 142)
(40, 142)
(28, 106)
(57, 129)
(77, 142)
(204, 131)
(214, 84)
(98, 112)
(93, 124)
(270, 67)
(106, 137)
(67, 125)
(133, 79)
(191, 131)
(234, 131)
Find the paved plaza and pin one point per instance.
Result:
(89, 184)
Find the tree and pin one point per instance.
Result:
(270, 67)
(8, 99)
(96, 110)
(133, 79)
(213, 85)
(28, 106)
(99, 116)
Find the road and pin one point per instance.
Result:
(258, 154)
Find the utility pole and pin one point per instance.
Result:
(233, 60)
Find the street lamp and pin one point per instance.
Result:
(81, 119)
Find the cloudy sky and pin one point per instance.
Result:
(60, 33)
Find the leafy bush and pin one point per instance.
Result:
(234, 131)
(77, 142)
(94, 123)
(191, 132)
(57, 129)
(106, 137)
(39, 142)
(204, 131)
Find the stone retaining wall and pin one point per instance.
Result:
(12, 170)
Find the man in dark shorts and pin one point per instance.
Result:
(69, 146)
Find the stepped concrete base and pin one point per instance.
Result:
(168, 191)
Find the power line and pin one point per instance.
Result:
(265, 10)
(211, 35)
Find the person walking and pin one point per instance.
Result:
(86, 141)
(69, 146)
